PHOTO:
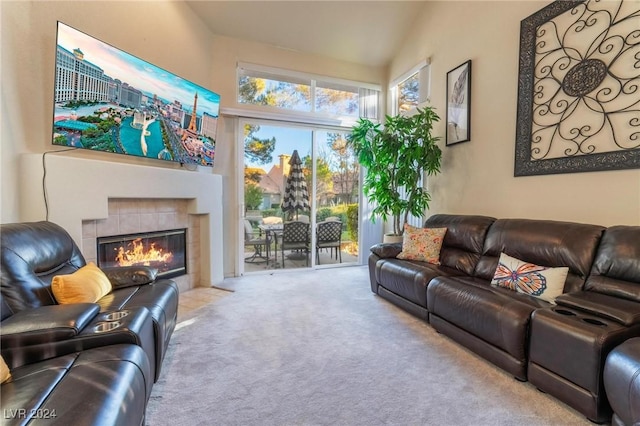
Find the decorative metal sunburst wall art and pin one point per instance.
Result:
(579, 88)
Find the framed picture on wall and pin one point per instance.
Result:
(458, 104)
(578, 92)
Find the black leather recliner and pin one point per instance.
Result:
(106, 386)
(140, 310)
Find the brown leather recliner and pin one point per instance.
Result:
(492, 321)
(404, 282)
(570, 342)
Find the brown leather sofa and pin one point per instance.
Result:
(559, 348)
(622, 382)
(38, 333)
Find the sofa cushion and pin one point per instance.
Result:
(422, 244)
(495, 315)
(527, 278)
(32, 384)
(616, 269)
(542, 242)
(408, 278)
(87, 285)
(464, 240)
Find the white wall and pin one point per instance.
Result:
(477, 176)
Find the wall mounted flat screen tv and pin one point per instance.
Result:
(109, 100)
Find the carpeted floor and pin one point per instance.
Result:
(319, 348)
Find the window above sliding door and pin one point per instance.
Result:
(276, 90)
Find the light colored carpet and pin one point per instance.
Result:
(319, 348)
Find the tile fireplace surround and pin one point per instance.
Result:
(91, 198)
(137, 216)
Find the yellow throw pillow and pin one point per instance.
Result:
(5, 374)
(87, 285)
(422, 244)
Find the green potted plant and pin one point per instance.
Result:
(396, 156)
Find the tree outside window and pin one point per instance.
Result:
(409, 93)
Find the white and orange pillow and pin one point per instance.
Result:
(422, 244)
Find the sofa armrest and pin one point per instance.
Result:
(387, 250)
(128, 276)
(622, 311)
(46, 324)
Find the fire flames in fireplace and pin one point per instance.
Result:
(164, 250)
(142, 255)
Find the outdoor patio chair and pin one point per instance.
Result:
(329, 235)
(295, 236)
(258, 241)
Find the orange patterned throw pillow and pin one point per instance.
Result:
(422, 244)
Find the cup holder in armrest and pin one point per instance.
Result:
(113, 316)
(594, 322)
(565, 312)
(102, 327)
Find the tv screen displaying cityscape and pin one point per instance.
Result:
(109, 100)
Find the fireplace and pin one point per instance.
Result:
(162, 198)
(164, 250)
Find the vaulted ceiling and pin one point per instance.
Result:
(363, 32)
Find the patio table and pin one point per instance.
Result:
(273, 230)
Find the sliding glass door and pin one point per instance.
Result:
(300, 198)
(336, 198)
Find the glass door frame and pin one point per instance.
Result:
(240, 161)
